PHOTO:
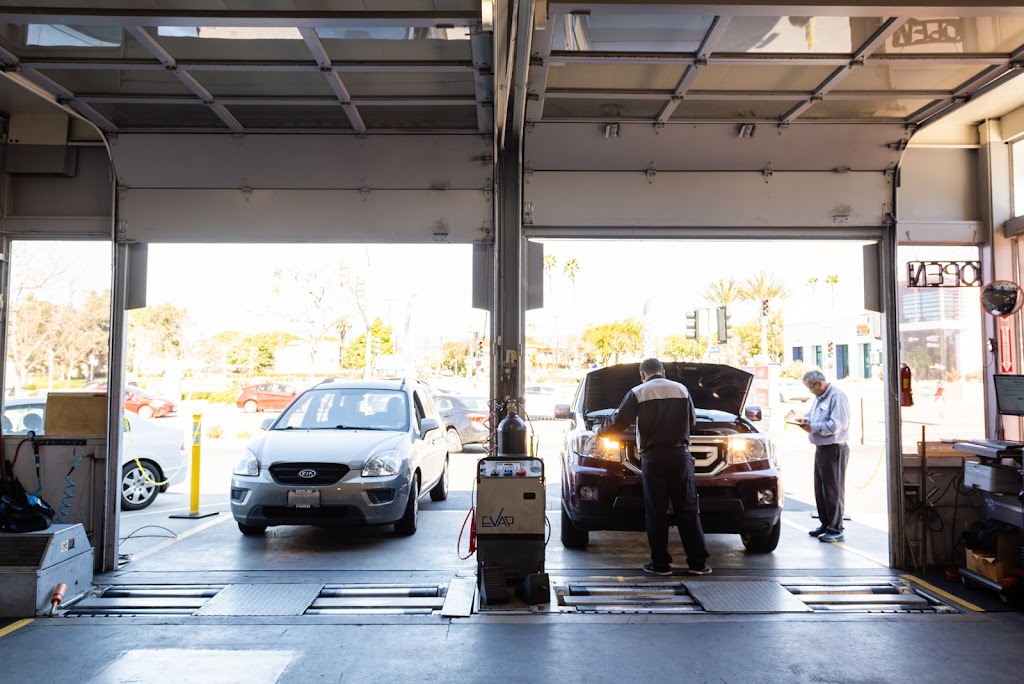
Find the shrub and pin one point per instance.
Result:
(215, 431)
(243, 434)
(222, 397)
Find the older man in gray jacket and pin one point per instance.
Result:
(828, 426)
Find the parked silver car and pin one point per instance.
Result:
(344, 453)
(160, 450)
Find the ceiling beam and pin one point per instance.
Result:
(482, 46)
(876, 41)
(980, 84)
(164, 57)
(283, 101)
(560, 57)
(323, 60)
(252, 18)
(791, 95)
(711, 38)
(61, 95)
(368, 66)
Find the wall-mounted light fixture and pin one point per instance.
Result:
(611, 130)
(746, 130)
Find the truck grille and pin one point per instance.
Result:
(326, 473)
(709, 457)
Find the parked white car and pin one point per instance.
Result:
(160, 450)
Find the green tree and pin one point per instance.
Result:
(85, 337)
(454, 357)
(382, 342)
(550, 264)
(571, 270)
(832, 281)
(682, 348)
(752, 334)
(764, 286)
(254, 353)
(611, 342)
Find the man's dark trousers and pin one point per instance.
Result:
(830, 462)
(668, 476)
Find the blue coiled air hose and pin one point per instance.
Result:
(65, 501)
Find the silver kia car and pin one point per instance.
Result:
(344, 453)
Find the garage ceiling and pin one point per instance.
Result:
(365, 68)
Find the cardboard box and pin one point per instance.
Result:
(939, 449)
(988, 567)
(76, 414)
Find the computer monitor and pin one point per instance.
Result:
(1010, 394)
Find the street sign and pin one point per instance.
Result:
(1005, 346)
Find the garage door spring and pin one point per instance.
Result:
(135, 455)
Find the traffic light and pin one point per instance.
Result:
(830, 348)
(480, 347)
(692, 325)
(764, 307)
(723, 317)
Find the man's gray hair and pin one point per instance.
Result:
(814, 376)
(652, 366)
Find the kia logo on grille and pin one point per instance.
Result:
(307, 473)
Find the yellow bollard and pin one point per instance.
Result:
(193, 500)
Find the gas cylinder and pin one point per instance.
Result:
(512, 434)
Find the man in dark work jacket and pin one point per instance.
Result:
(663, 411)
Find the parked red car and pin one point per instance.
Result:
(271, 396)
(138, 400)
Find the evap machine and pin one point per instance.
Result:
(510, 520)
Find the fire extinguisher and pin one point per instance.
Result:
(906, 392)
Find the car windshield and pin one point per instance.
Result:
(347, 408)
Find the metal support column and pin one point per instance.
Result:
(107, 542)
(508, 319)
(891, 400)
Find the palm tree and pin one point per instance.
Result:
(550, 264)
(832, 281)
(723, 293)
(571, 268)
(764, 287)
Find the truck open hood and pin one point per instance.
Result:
(712, 385)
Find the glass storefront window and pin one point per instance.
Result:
(941, 341)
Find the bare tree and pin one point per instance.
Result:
(315, 302)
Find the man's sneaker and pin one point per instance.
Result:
(830, 537)
(652, 569)
(706, 570)
(817, 531)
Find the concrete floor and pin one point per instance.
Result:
(539, 647)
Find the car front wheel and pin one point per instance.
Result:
(138, 487)
(763, 543)
(406, 525)
(454, 441)
(250, 406)
(572, 536)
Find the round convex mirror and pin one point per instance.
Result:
(1002, 297)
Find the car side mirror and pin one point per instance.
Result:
(753, 413)
(267, 422)
(563, 412)
(428, 424)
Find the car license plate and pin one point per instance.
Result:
(303, 498)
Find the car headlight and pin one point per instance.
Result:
(383, 464)
(247, 465)
(602, 448)
(744, 449)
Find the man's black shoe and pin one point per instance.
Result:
(829, 537)
(652, 569)
(817, 531)
(706, 570)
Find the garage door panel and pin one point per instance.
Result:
(306, 161)
(315, 216)
(712, 147)
(821, 200)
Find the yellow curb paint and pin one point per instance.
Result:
(13, 627)
(944, 594)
